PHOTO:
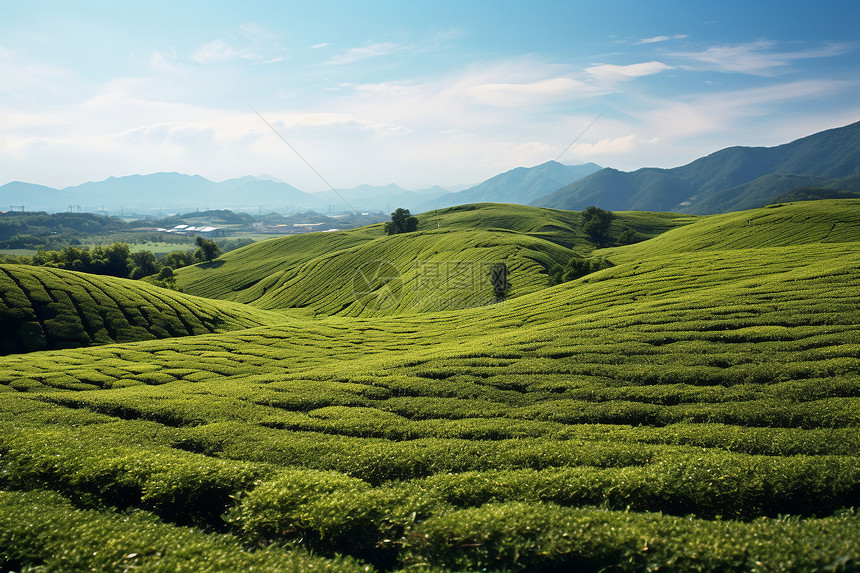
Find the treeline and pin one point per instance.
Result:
(55, 231)
(52, 231)
(118, 260)
(12, 224)
(61, 241)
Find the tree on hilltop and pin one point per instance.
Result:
(401, 222)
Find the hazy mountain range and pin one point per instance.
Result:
(167, 192)
(158, 191)
(731, 179)
(521, 185)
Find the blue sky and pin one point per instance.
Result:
(412, 93)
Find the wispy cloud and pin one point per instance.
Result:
(362, 53)
(161, 62)
(613, 146)
(657, 39)
(713, 114)
(322, 119)
(258, 33)
(533, 93)
(219, 51)
(762, 57)
(28, 80)
(251, 41)
(787, 91)
(612, 71)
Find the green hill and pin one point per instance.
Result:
(44, 308)
(696, 406)
(815, 194)
(802, 223)
(444, 265)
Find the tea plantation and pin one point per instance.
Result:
(694, 407)
(42, 308)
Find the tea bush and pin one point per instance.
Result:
(41, 530)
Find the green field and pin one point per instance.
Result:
(694, 407)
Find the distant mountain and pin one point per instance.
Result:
(173, 191)
(384, 198)
(520, 186)
(731, 179)
(32, 197)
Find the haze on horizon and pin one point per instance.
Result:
(417, 95)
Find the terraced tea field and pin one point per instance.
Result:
(442, 266)
(694, 407)
(52, 308)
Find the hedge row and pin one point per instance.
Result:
(41, 531)
(529, 537)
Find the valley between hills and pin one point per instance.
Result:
(357, 401)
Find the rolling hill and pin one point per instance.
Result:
(731, 179)
(444, 265)
(801, 223)
(696, 406)
(44, 308)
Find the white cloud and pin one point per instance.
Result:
(611, 71)
(334, 119)
(31, 81)
(166, 63)
(251, 42)
(612, 146)
(657, 39)
(318, 46)
(364, 52)
(778, 93)
(529, 94)
(257, 33)
(756, 58)
(475, 121)
(713, 115)
(216, 52)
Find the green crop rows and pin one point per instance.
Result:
(43, 308)
(694, 407)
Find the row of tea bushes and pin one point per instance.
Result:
(543, 537)
(41, 531)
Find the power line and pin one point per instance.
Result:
(583, 133)
(351, 208)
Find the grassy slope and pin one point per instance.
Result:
(692, 378)
(334, 273)
(829, 221)
(44, 308)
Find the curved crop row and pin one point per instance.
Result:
(45, 308)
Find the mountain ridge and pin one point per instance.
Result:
(519, 185)
(733, 173)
